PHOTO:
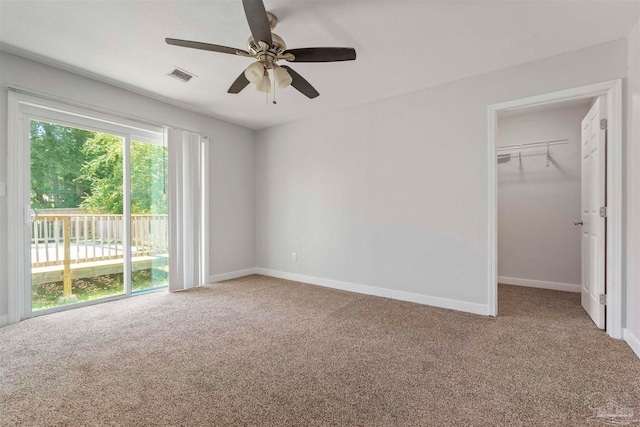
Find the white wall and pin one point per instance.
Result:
(393, 194)
(631, 275)
(538, 204)
(232, 157)
(390, 194)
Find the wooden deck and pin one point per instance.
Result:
(67, 246)
(55, 273)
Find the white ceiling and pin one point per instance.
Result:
(402, 46)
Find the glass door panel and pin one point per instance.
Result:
(149, 219)
(77, 229)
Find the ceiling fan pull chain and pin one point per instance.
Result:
(274, 90)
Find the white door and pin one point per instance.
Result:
(594, 161)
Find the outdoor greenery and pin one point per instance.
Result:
(46, 295)
(57, 154)
(79, 169)
(75, 168)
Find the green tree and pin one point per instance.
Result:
(73, 167)
(148, 179)
(103, 169)
(105, 172)
(56, 157)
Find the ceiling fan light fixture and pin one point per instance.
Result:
(264, 85)
(255, 73)
(281, 78)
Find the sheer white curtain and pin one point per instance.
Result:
(185, 209)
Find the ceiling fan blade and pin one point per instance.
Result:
(240, 83)
(301, 84)
(258, 21)
(207, 46)
(322, 54)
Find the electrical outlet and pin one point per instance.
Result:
(294, 257)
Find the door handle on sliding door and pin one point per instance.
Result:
(30, 216)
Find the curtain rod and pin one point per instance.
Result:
(92, 108)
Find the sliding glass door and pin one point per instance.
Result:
(77, 225)
(96, 210)
(149, 216)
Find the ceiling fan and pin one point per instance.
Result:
(268, 48)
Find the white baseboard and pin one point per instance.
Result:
(633, 342)
(451, 304)
(468, 307)
(231, 275)
(555, 286)
(4, 320)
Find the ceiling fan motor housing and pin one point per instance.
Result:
(267, 55)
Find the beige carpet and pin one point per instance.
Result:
(259, 351)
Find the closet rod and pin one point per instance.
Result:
(532, 145)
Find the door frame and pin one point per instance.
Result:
(613, 92)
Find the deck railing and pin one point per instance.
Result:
(65, 239)
(79, 238)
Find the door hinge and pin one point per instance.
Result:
(603, 299)
(603, 212)
(603, 123)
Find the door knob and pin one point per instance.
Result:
(579, 222)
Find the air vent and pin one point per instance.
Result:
(182, 75)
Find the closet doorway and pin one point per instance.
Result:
(550, 188)
(557, 162)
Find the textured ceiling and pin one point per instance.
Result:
(402, 46)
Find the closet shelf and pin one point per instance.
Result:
(531, 149)
(530, 146)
